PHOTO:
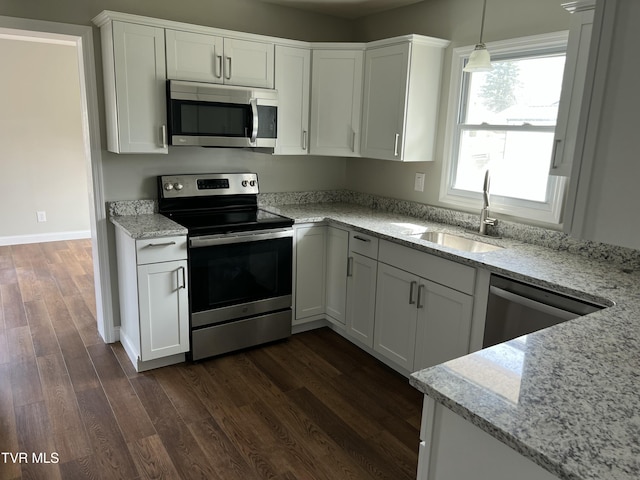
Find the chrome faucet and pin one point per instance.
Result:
(485, 219)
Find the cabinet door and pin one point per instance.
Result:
(361, 298)
(336, 97)
(248, 63)
(292, 80)
(140, 89)
(385, 93)
(444, 324)
(164, 309)
(310, 271)
(194, 56)
(336, 285)
(575, 70)
(396, 315)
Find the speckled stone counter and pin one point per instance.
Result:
(567, 397)
(151, 225)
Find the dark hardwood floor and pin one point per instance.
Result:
(311, 407)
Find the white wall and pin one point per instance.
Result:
(42, 163)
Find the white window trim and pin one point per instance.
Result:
(549, 212)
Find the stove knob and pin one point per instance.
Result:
(168, 186)
(244, 183)
(178, 186)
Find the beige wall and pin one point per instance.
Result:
(458, 21)
(42, 163)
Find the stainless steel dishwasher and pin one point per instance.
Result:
(515, 308)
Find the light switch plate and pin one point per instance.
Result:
(419, 182)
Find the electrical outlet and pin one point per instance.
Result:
(419, 182)
(42, 216)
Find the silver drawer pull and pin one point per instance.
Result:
(166, 244)
(362, 239)
(412, 287)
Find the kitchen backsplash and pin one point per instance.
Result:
(625, 257)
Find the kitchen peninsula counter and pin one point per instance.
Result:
(565, 397)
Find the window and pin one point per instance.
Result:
(504, 121)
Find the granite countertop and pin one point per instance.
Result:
(565, 397)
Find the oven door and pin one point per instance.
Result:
(234, 276)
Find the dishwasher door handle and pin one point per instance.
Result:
(533, 304)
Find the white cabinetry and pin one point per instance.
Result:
(310, 257)
(135, 87)
(453, 448)
(209, 58)
(424, 307)
(603, 196)
(154, 308)
(293, 80)
(336, 281)
(575, 70)
(336, 97)
(401, 96)
(361, 287)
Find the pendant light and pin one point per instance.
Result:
(479, 60)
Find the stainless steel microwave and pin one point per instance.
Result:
(211, 115)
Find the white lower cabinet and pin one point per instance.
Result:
(336, 281)
(361, 298)
(396, 315)
(424, 307)
(454, 448)
(154, 300)
(310, 258)
(410, 308)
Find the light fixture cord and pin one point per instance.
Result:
(484, 9)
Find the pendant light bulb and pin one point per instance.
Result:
(480, 59)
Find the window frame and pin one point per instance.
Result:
(549, 211)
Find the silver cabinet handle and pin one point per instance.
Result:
(304, 140)
(350, 267)
(353, 142)
(395, 145)
(163, 135)
(554, 157)
(362, 239)
(412, 287)
(227, 70)
(218, 68)
(184, 280)
(155, 245)
(421, 289)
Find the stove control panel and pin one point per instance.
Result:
(204, 185)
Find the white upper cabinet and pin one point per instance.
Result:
(575, 69)
(336, 98)
(401, 96)
(135, 87)
(603, 196)
(292, 80)
(209, 58)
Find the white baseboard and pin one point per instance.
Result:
(44, 237)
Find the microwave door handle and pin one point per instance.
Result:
(254, 111)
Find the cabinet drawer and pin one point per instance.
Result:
(363, 244)
(445, 272)
(165, 249)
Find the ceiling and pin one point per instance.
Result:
(344, 8)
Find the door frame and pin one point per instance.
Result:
(82, 38)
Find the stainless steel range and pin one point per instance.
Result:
(240, 261)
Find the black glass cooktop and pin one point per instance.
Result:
(209, 223)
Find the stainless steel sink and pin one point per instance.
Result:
(456, 242)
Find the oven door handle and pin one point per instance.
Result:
(241, 237)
